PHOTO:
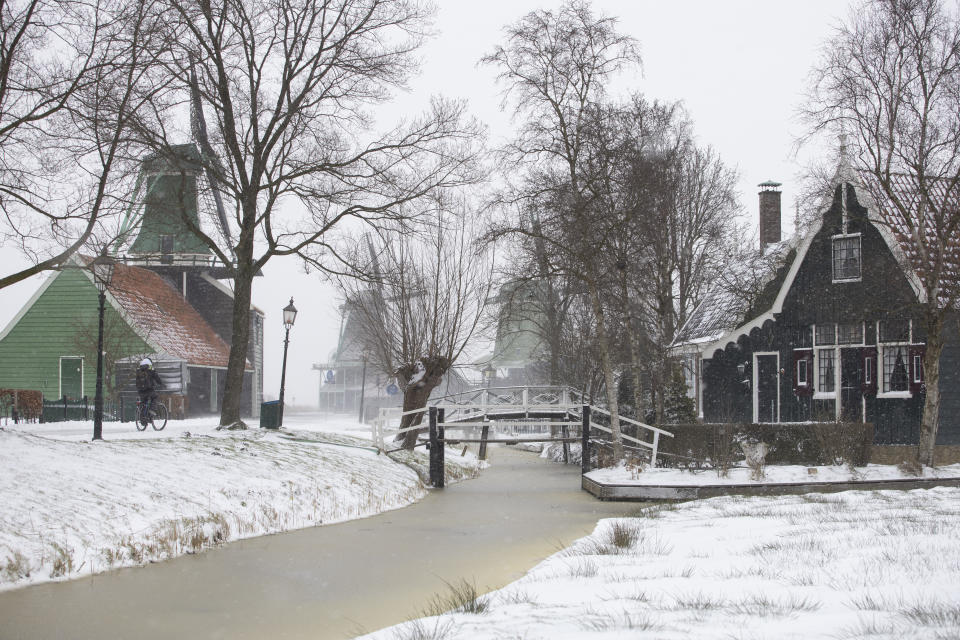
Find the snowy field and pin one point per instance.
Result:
(859, 564)
(72, 507)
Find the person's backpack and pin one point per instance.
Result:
(144, 382)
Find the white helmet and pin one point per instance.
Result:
(146, 362)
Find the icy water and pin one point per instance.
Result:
(336, 581)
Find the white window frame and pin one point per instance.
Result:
(881, 382)
(756, 378)
(833, 272)
(917, 368)
(818, 394)
(868, 370)
(806, 374)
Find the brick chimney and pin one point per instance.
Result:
(769, 212)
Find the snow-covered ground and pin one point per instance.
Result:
(785, 474)
(70, 507)
(857, 564)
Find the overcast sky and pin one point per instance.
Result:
(739, 66)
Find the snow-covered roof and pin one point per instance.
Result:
(164, 319)
(736, 295)
(943, 195)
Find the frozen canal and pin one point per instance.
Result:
(335, 581)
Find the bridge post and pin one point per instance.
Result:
(484, 434)
(585, 440)
(436, 450)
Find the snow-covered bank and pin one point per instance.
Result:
(70, 507)
(882, 564)
(779, 474)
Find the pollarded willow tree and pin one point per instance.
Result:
(282, 94)
(554, 66)
(890, 78)
(424, 302)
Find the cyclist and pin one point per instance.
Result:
(147, 382)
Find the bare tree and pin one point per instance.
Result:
(890, 76)
(287, 88)
(72, 76)
(554, 66)
(427, 301)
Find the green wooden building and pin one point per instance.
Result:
(166, 301)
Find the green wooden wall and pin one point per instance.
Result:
(62, 322)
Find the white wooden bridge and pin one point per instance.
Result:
(514, 414)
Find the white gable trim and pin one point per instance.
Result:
(873, 216)
(29, 304)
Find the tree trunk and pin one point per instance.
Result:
(931, 376)
(416, 394)
(610, 382)
(233, 391)
(634, 349)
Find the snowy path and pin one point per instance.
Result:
(335, 581)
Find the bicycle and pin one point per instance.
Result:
(157, 417)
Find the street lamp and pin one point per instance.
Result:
(289, 315)
(102, 267)
(489, 374)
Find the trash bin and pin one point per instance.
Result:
(270, 415)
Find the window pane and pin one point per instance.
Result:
(895, 368)
(803, 337)
(802, 372)
(846, 258)
(894, 331)
(826, 334)
(850, 333)
(825, 358)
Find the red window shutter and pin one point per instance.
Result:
(916, 368)
(870, 373)
(803, 362)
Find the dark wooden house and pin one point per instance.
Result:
(821, 328)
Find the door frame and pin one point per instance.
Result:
(60, 374)
(756, 379)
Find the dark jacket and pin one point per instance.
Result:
(148, 380)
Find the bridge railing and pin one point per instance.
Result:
(477, 407)
(652, 446)
(477, 403)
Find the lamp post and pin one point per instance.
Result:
(102, 268)
(289, 315)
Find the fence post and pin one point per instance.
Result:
(434, 447)
(484, 434)
(565, 433)
(585, 441)
(653, 452)
(64, 408)
(441, 448)
(86, 409)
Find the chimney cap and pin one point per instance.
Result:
(770, 185)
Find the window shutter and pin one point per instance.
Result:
(916, 368)
(804, 356)
(869, 384)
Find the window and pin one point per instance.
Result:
(895, 368)
(166, 244)
(801, 372)
(850, 333)
(827, 333)
(846, 258)
(868, 371)
(689, 365)
(894, 331)
(826, 370)
(917, 368)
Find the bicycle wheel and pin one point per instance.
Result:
(159, 419)
(140, 424)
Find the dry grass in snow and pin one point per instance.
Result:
(879, 565)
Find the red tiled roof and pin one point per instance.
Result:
(165, 319)
(933, 233)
